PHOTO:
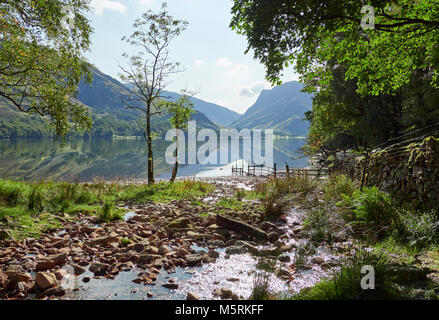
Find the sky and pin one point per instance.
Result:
(211, 54)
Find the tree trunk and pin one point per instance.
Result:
(150, 154)
(174, 171)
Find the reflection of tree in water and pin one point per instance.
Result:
(77, 159)
(82, 160)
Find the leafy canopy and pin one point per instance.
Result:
(41, 62)
(310, 33)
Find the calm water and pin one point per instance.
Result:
(83, 160)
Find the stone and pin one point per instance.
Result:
(3, 280)
(51, 261)
(86, 279)
(179, 223)
(78, 269)
(192, 296)
(225, 293)
(236, 250)
(284, 258)
(15, 277)
(317, 260)
(273, 236)
(164, 250)
(45, 280)
(99, 268)
(103, 241)
(171, 286)
(57, 291)
(193, 259)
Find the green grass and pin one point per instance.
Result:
(23, 203)
(230, 203)
(346, 283)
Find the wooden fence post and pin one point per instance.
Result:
(287, 168)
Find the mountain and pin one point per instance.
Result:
(104, 98)
(281, 109)
(218, 114)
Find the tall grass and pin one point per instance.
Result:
(346, 283)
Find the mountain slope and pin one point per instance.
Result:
(281, 109)
(104, 98)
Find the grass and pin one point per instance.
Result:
(346, 283)
(260, 289)
(230, 203)
(22, 204)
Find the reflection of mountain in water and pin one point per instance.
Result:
(82, 160)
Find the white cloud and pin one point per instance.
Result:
(224, 63)
(255, 89)
(238, 70)
(100, 5)
(199, 63)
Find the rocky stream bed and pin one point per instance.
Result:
(178, 250)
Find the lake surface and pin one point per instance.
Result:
(84, 160)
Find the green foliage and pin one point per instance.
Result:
(319, 223)
(41, 60)
(339, 185)
(308, 34)
(108, 213)
(418, 230)
(371, 210)
(125, 241)
(346, 283)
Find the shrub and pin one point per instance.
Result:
(273, 206)
(418, 229)
(321, 223)
(339, 185)
(371, 210)
(107, 213)
(12, 193)
(36, 199)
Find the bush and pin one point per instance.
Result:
(371, 210)
(273, 206)
(36, 199)
(12, 193)
(107, 213)
(321, 223)
(339, 185)
(418, 229)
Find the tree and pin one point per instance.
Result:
(150, 68)
(41, 62)
(403, 36)
(181, 112)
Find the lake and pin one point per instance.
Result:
(84, 160)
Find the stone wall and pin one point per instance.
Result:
(410, 172)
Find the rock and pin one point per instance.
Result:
(193, 259)
(51, 261)
(213, 254)
(236, 250)
(179, 223)
(45, 280)
(104, 241)
(284, 258)
(3, 280)
(171, 286)
(192, 296)
(225, 293)
(149, 294)
(269, 252)
(164, 250)
(273, 236)
(86, 279)
(78, 269)
(407, 274)
(317, 260)
(99, 269)
(241, 228)
(281, 273)
(15, 277)
(54, 291)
